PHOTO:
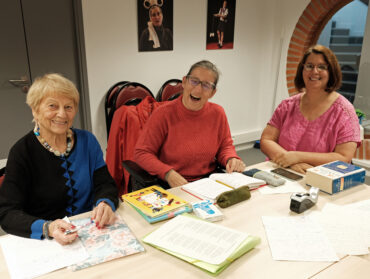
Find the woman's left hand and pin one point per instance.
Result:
(103, 215)
(287, 159)
(235, 164)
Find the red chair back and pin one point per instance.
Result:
(170, 90)
(131, 93)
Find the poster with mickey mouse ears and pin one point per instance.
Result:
(155, 25)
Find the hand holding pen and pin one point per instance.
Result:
(57, 230)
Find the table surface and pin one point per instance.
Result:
(246, 217)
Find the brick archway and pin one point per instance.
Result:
(306, 33)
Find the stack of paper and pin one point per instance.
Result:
(155, 204)
(213, 247)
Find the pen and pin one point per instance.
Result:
(78, 228)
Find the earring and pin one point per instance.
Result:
(36, 130)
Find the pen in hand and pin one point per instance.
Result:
(78, 228)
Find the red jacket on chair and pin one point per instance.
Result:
(127, 124)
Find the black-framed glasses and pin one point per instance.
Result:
(206, 85)
(321, 67)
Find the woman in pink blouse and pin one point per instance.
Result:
(317, 126)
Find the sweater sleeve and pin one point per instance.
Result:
(149, 144)
(13, 197)
(227, 149)
(105, 188)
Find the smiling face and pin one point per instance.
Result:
(55, 115)
(315, 79)
(156, 16)
(195, 97)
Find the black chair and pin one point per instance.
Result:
(140, 178)
(170, 90)
(110, 98)
(131, 94)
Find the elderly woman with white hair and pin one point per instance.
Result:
(55, 170)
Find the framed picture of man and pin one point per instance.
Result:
(220, 24)
(155, 25)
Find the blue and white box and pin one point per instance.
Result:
(207, 211)
(335, 176)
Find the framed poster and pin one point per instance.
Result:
(155, 25)
(220, 24)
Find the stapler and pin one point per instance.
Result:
(300, 202)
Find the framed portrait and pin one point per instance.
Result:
(155, 25)
(220, 24)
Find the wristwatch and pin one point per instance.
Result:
(45, 230)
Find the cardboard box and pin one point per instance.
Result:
(335, 176)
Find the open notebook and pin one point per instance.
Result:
(218, 183)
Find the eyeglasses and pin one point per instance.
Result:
(320, 67)
(206, 86)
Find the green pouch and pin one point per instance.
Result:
(229, 198)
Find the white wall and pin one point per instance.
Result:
(362, 97)
(251, 73)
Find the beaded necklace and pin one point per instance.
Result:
(36, 131)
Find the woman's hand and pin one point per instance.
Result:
(235, 164)
(57, 230)
(103, 215)
(287, 159)
(174, 179)
(301, 167)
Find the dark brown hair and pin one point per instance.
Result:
(335, 73)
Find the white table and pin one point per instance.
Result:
(246, 217)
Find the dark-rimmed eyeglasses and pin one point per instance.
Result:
(321, 67)
(206, 85)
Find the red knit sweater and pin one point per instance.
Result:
(187, 141)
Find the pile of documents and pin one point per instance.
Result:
(208, 246)
(320, 236)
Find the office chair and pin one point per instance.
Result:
(170, 90)
(110, 98)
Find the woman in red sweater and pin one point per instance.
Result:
(183, 140)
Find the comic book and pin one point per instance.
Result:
(154, 201)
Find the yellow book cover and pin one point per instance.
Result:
(154, 201)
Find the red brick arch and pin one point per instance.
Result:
(306, 33)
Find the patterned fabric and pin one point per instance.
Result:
(339, 124)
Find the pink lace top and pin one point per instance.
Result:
(339, 124)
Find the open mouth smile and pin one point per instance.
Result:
(194, 98)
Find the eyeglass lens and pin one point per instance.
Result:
(205, 84)
(321, 67)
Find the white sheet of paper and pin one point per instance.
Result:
(206, 188)
(348, 230)
(288, 187)
(197, 239)
(361, 205)
(29, 258)
(297, 239)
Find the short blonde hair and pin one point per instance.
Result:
(51, 84)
